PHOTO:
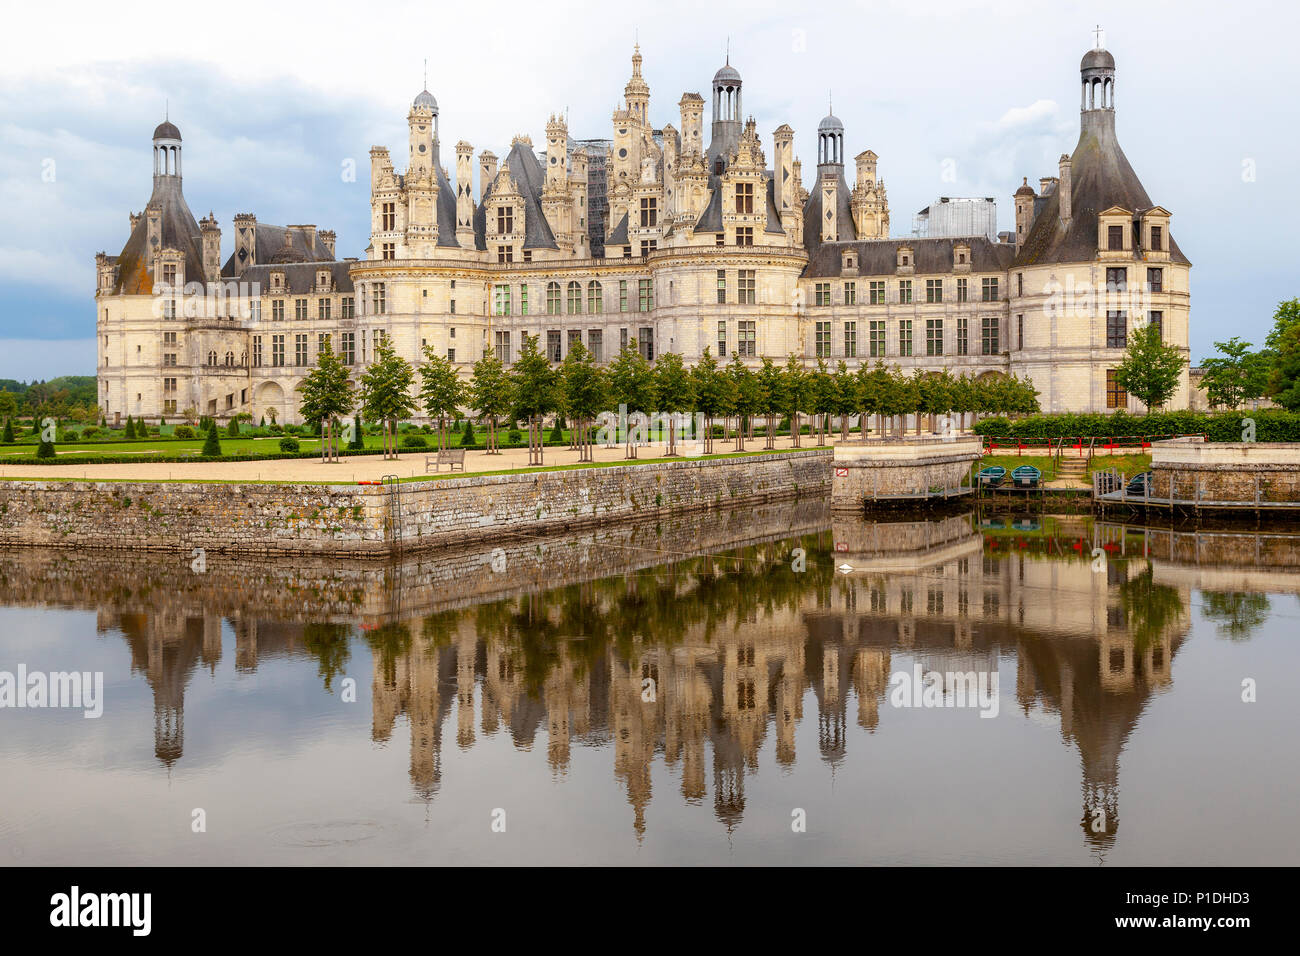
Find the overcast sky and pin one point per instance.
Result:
(958, 98)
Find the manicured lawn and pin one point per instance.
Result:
(1126, 464)
(147, 448)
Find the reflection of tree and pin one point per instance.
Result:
(389, 642)
(1237, 613)
(1150, 608)
(328, 643)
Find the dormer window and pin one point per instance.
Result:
(277, 281)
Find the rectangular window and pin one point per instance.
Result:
(649, 212)
(990, 343)
(1115, 238)
(389, 250)
(505, 220)
(747, 338)
(169, 406)
(255, 310)
(1116, 397)
(744, 235)
(1020, 331)
(963, 335)
(850, 340)
(389, 222)
(1157, 319)
(645, 338)
(323, 310)
(596, 344)
(348, 307)
(277, 351)
(905, 292)
(876, 338)
(963, 290)
(451, 355)
(553, 345)
(452, 307)
(878, 292)
(300, 310)
(523, 299)
(277, 310)
(622, 295)
(822, 291)
(1116, 330)
(169, 359)
(989, 289)
(822, 334)
(934, 336)
(377, 299)
(257, 351)
(745, 199)
(348, 347)
(850, 293)
(905, 337)
(501, 299)
(933, 290)
(622, 340)
(502, 346)
(300, 349)
(746, 287)
(722, 286)
(552, 298)
(575, 338)
(648, 246)
(574, 303)
(1157, 239)
(595, 298)
(1117, 280)
(505, 254)
(722, 338)
(645, 295)
(1155, 280)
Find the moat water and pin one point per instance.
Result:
(729, 687)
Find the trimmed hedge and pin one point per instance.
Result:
(1270, 425)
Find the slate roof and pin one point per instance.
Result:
(530, 177)
(1100, 177)
(879, 257)
(269, 247)
(300, 277)
(179, 231)
(619, 236)
(711, 219)
(812, 214)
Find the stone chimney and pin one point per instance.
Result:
(135, 220)
(1064, 189)
(308, 231)
(487, 172)
(211, 233)
(327, 240)
(245, 241)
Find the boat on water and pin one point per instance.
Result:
(992, 475)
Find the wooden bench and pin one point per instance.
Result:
(451, 457)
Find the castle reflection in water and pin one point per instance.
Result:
(694, 640)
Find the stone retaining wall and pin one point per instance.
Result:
(896, 468)
(1226, 471)
(270, 519)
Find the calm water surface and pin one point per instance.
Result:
(679, 692)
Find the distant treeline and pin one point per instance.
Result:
(64, 396)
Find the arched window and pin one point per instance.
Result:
(595, 297)
(575, 298)
(552, 298)
(230, 360)
(212, 358)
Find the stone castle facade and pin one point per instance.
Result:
(653, 239)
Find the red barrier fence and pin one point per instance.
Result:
(1057, 446)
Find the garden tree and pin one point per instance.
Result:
(212, 444)
(327, 395)
(1150, 369)
(1285, 318)
(1284, 382)
(441, 390)
(749, 397)
(674, 392)
(358, 436)
(631, 381)
(45, 449)
(846, 404)
(232, 430)
(534, 386)
(821, 398)
(772, 399)
(712, 394)
(8, 404)
(128, 431)
(936, 396)
(872, 390)
(8, 437)
(586, 394)
(906, 398)
(489, 394)
(386, 392)
(795, 377)
(1237, 375)
(467, 439)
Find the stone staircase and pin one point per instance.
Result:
(1073, 468)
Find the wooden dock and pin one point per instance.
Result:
(1111, 488)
